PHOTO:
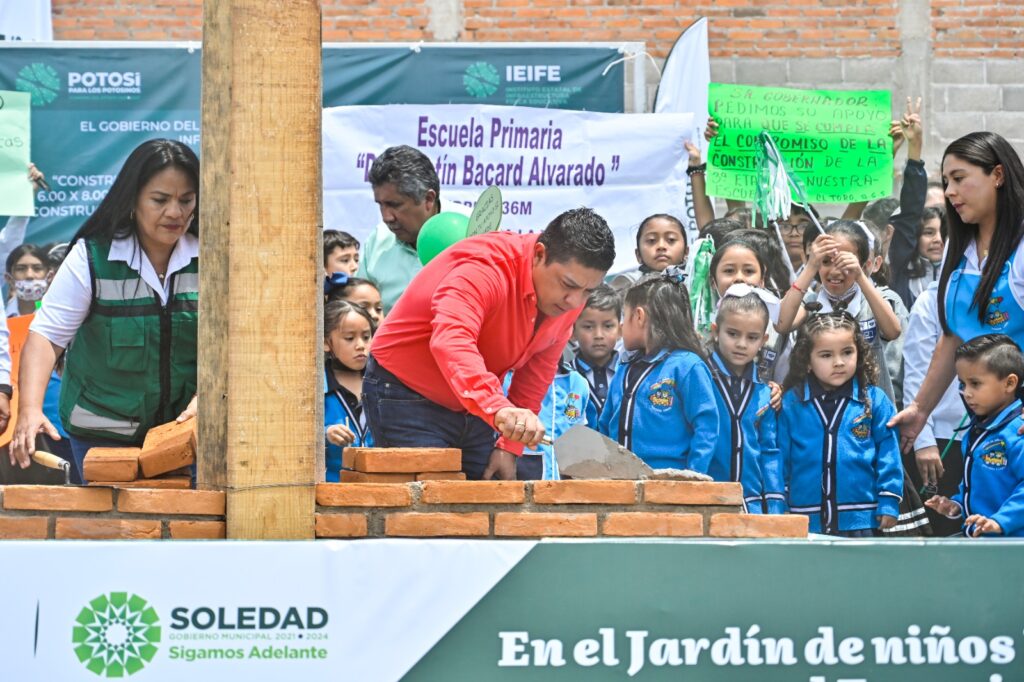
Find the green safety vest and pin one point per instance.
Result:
(132, 364)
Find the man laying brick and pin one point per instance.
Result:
(487, 305)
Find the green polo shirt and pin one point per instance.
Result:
(391, 264)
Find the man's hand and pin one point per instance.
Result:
(519, 425)
(191, 410)
(911, 421)
(943, 505)
(929, 464)
(501, 467)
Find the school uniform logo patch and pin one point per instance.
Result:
(994, 454)
(993, 316)
(861, 426)
(869, 328)
(572, 410)
(661, 396)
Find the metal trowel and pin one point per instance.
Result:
(582, 452)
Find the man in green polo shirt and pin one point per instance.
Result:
(406, 188)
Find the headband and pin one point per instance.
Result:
(770, 300)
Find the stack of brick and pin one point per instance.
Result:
(401, 465)
(84, 513)
(163, 461)
(539, 509)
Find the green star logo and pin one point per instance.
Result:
(40, 81)
(116, 634)
(481, 80)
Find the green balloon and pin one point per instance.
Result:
(440, 232)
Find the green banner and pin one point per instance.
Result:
(875, 611)
(836, 141)
(92, 106)
(15, 137)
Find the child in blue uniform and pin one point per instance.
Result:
(662, 403)
(746, 448)
(991, 496)
(841, 461)
(347, 331)
(596, 334)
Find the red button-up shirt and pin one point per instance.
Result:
(468, 318)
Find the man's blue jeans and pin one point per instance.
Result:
(399, 417)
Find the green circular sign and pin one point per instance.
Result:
(39, 80)
(481, 80)
(116, 634)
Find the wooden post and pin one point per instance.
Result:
(260, 324)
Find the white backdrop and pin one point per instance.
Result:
(624, 166)
(25, 20)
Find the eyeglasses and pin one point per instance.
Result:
(790, 228)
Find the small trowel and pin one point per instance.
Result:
(582, 452)
(51, 461)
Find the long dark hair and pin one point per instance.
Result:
(816, 323)
(113, 218)
(667, 302)
(919, 266)
(985, 150)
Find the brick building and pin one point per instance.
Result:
(965, 57)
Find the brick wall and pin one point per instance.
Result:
(972, 29)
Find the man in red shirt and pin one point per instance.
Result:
(487, 305)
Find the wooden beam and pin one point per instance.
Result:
(261, 326)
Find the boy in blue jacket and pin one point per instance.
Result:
(596, 334)
(991, 496)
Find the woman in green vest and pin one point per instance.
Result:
(124, 308)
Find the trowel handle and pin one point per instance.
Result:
(546, 440)
(48, 460)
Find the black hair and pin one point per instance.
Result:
(1001, 355)
(919, 266)
(808, 211)
(337, 310)
(880, 211)
(408, 169)
(742, 215)
(341, 292)
(854, 233)
(336, 239)
(659, 216)
(817, 322)
(719, 228)
(667, 302)
(776, 276)
(37, 252)
(582, 235)
(741, 240)
(114, 218)
(606, 299)
(883, 274)
(985, 150)
(749, 304)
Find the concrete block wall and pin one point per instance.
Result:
(518, 509)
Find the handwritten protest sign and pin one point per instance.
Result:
(15, 188)
(836, 141)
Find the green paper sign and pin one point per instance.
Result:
(486, 216)
(15, 138)
(836, 141)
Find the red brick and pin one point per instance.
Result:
(441, 476)
(69, 528)
(415, 525)
(341, 525)
(58, 498)
(363, 495)
(653, 524)
(360, 477)
(758, 526)
(692, 492)
(198, 502)
(111, 464)
(197, 530)
(584, 492)
(168, 447)
(473, 492)
(23, 527)
(515, 524)
(406, 460)
(164, 482)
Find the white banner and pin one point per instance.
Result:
(624, 166)
(25, 20)
(238, 611)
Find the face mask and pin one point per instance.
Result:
(30, 289)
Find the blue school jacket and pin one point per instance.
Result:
(336, 411)
(844, 473)
(564, 406)
(669, 416)
(746, 448)
(595, 404)
(993, 483)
